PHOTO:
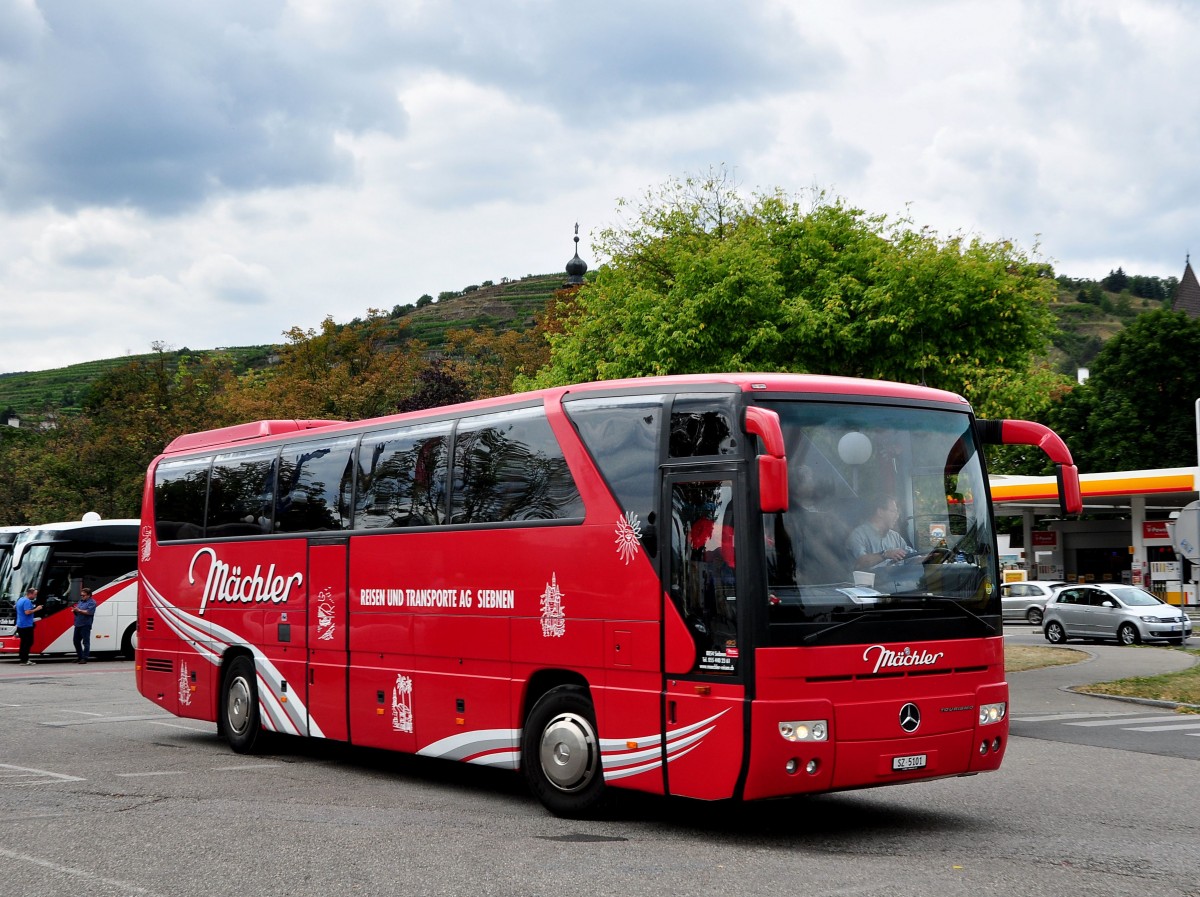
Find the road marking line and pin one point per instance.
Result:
(1166, 728)
(1051, 717)
(41, 773)
(1126, 721)
(88, 874)
(134, 775)
(177, 726)
(238, 768)
(105, 719)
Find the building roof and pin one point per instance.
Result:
(1187, 296)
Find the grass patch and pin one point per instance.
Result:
(1028, 657)
(1182, 687)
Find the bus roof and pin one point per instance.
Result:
(813, 384)
(68, 525)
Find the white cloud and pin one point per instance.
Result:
(228, 280)
(213, 174)
(92, 239)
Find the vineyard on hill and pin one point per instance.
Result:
(1087, 314)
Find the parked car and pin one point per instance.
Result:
(1103, 611)
(1024, 600)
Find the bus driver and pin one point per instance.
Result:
(876, 541)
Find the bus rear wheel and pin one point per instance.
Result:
(560, 752)
(239, 706)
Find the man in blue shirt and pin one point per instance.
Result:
(25, 611)
(85, 612)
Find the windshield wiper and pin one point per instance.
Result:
(940, 599)
(929, 599)
(855, 619)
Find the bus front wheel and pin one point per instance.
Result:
(240, 706)
(560, 753)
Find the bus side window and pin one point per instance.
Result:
(402, 477)
(180, 488)
(313, 485)
(701, 425)
(510, 467)
(621, 434)
(242, 493)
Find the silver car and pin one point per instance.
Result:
(1024, 600)
(1103, 611)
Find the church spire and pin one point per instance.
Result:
(576, 267)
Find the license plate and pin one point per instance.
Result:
(913, 761)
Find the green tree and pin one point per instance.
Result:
(345, 373)
(96, 461)
(704, 280)
(1136, 411)
(1116, 281)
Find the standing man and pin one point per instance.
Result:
(85, 613)
(25, 611)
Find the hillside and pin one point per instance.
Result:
(1087, 316)
(508, 305)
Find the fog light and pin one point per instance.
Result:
(811, 767)
(791, 766)
(996, 746)
(992, 713)
(983, 747)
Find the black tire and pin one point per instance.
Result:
(129, 642)
(1034, 616)
(1054, 633)
(1127, 634)
(560, 753)
(239, 706)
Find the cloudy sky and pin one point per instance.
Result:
(213, 172)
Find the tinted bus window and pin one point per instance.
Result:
(701, 425)
(622, 435)
(180, 491)
(703, 570)
(241, 494)
(509, 466)
(316, 483)
(402, 477)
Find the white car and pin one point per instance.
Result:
(1025, 600)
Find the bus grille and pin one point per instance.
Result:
(897, 674)
(159, 665)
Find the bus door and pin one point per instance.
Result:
(328, 636)
(704, 698)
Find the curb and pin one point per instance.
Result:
(1147, 702)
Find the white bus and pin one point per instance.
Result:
(59, 559)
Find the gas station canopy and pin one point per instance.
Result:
(1168, 489)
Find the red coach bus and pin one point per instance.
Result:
(644, 584)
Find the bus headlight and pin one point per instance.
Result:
(992, 713)
(805, 730)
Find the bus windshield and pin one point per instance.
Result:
(887, 525)
(8, 535)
